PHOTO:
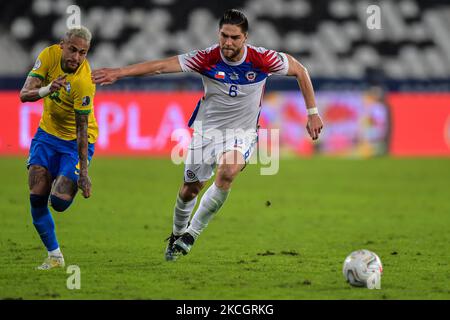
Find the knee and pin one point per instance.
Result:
(59, 204)
(226, 174)
(38, 201)
(190, 190)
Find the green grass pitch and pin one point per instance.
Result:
(277, 237)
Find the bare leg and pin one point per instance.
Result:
(39, 180)
(63, 193)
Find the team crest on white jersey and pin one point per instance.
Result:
(250, 75)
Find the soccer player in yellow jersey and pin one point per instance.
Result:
(64, 142)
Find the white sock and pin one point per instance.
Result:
(211, 202)
(182, 213)
(56, 253)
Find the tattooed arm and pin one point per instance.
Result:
(84, 183)
(32, 89)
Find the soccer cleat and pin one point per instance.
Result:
(52, 262)
(170, 253)
(184, 243)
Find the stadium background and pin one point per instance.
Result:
(381, 93)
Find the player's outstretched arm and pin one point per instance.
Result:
(33, 90)
(84, 183)
(110, 75)
(315, 124)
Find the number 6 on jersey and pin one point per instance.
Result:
(233, 91)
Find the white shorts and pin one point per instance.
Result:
(204, 153)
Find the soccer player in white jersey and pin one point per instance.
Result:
(233, 74)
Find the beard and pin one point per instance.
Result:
(70, 67)
(230, 53)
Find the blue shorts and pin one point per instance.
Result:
(59, 156)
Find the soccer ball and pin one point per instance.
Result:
(363, 268)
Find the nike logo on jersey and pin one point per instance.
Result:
(234, 76)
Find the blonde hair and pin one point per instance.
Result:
(81, 32)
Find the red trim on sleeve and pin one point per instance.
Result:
(203, 60)
(266, 61)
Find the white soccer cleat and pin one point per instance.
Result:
(52, 262)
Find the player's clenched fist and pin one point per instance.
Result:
(84, 183)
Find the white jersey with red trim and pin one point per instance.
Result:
(233, 90)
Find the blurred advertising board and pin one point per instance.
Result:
(129, 123)
(422, 124)
(357, 123)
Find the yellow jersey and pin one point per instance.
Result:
(58, 118)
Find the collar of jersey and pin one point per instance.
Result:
(234, 63)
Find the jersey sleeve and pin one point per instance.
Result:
(83, 96)
(276, 62)
(194, 61)
(41, 66)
